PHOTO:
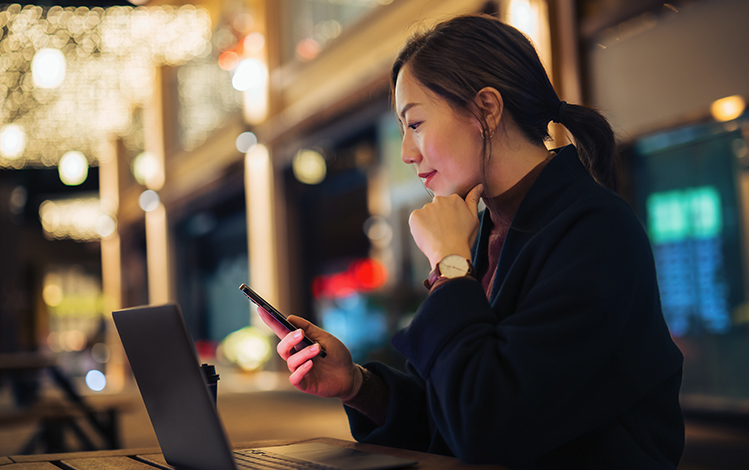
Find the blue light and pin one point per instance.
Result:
(95, 380)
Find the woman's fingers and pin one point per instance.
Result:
(285, 347)
(294, 351)
(300, 373)
(299, 358)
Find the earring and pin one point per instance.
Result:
(483, 135)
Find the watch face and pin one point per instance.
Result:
(453, 266)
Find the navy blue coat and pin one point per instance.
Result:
(569, 365)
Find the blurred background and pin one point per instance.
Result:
(167, 152)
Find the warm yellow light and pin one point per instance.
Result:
(260, 193)
(145, 168)
(523, 17)
(157, 255)
(73, 168)
(114, 53)
(728, 108)
(309, 166)
(77, 218)
(74, 340)
(105, 225)
(48, 68)
(52, 295)
(249, 348)
(12, 141)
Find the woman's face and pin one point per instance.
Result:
(445, 146)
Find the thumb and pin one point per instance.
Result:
(472, 199)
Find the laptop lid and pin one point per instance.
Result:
(167, 369)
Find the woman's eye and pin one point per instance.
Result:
(414, 125)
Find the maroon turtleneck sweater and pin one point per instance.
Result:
(502, 209)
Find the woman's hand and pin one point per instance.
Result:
(447, 226)
(334, 376)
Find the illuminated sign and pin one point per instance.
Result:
(685, 227)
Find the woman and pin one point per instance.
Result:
(541, 343)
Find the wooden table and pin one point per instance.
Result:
(145, 459)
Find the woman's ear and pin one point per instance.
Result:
(490, 105)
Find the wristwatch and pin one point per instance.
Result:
(449, 267)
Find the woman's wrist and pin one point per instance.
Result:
(372, 397)
(358, 380)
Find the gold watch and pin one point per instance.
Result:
(449, 267)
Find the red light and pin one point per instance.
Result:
(369, 274)
(361, 276)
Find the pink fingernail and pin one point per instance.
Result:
(297, 334)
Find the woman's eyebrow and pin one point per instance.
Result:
(403, 111)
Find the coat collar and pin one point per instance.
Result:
(542, 203)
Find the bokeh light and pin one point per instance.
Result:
(105, 225)
(228, 60)
(52, 290)
(96, 380)
(246, 141)
(249, 348)
(307, 49)
(100, 353)
(728, 108)
(250, 74)
(309, 166)
(253, 43)
(145, 167)
(48, 68)
(102, 62)
(149, 200)
(73, 168)
(75, 218)
(74, 340)
(12, 141)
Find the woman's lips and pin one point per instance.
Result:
(427, 177)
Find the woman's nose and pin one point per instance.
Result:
(409, 152)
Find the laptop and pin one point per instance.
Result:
(182, 411)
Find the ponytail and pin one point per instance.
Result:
(594, 140)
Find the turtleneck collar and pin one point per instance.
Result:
(502, 208)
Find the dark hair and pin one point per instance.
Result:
(457, 58)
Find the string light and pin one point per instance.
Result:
(73, 168)
(102, 62)
(12, 141)
(48, 68)
(80, 219)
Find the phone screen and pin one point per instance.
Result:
(280, 318)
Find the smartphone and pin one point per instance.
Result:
(261, 302)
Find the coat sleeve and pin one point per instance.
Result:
(407, 423)
(583, 340)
